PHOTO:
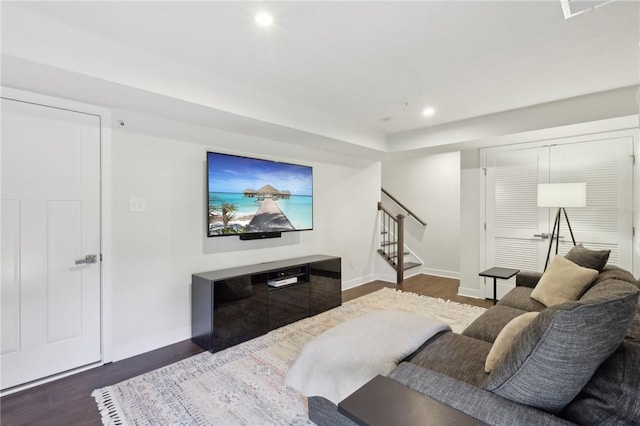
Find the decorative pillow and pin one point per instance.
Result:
(592, 259)
(505, 339)
(556, 355)
(562, 282)
(611, 396)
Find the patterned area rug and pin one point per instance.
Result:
(244, 385)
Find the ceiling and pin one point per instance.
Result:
(375, 65)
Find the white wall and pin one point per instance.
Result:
(470, 227)
(156, 251)
(430, 187)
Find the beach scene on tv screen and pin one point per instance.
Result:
(248, 195)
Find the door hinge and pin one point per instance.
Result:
(484, 170)
(100, 257)
(633, 159)
(485, 226)
(633, 231)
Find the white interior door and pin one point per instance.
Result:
(50, 219)
(516, 229)
(515, 225)
(606, 223)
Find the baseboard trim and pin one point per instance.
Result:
(470, 292)
(441, 273)
(389, 278)
(48, 379)
(357, 282)
(413, 272)
(147, 345)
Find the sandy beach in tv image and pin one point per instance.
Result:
(251, 195)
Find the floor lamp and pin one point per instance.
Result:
(561, 195)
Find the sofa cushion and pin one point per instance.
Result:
(556, 355)
(562, 282)
(612, 396)
(491, 322)
(612, 272)
(633, 335)
(592, 259)
(456, 356)
(505, 339)
(607, 289)
(612, 287)
(520, 298)
(487, 407)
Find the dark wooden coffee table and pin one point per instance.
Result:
(495, 273)
(383, 401)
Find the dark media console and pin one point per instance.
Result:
(231, 306)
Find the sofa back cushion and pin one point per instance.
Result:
(612, 396)
(612, 272)
(592, 259)
(488, 325)
(609, 288)
(556, 355)
(633, 335)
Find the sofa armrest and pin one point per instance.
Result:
(528, 278)
(472, 400)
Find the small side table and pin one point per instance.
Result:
(383, 401)
(495, 273)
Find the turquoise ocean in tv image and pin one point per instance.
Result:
(298, 208)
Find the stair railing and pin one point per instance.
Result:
(392, 241)
(402, 206)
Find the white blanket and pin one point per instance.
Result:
(345, 357)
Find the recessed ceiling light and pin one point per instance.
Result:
(264, 19)
(428, 112)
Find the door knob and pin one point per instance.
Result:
(544, 235)
(90, 258)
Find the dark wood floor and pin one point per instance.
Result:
(68, 401)
(427, 285)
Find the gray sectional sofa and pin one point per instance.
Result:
(576, 362)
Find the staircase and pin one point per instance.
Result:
(392, 259)
(392, 247)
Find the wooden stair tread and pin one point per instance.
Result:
(406, 253)
(388, 258)
(409, 265)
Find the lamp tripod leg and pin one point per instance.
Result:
(556, 227)
(569, 225)
(558, 221)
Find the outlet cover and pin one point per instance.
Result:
(137, 204)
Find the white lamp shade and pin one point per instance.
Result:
(562, 194)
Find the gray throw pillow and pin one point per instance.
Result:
(612, 396)
(556, 355)
(592, 259)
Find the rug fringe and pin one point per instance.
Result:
(110, 412)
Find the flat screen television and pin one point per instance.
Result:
(256, 198)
